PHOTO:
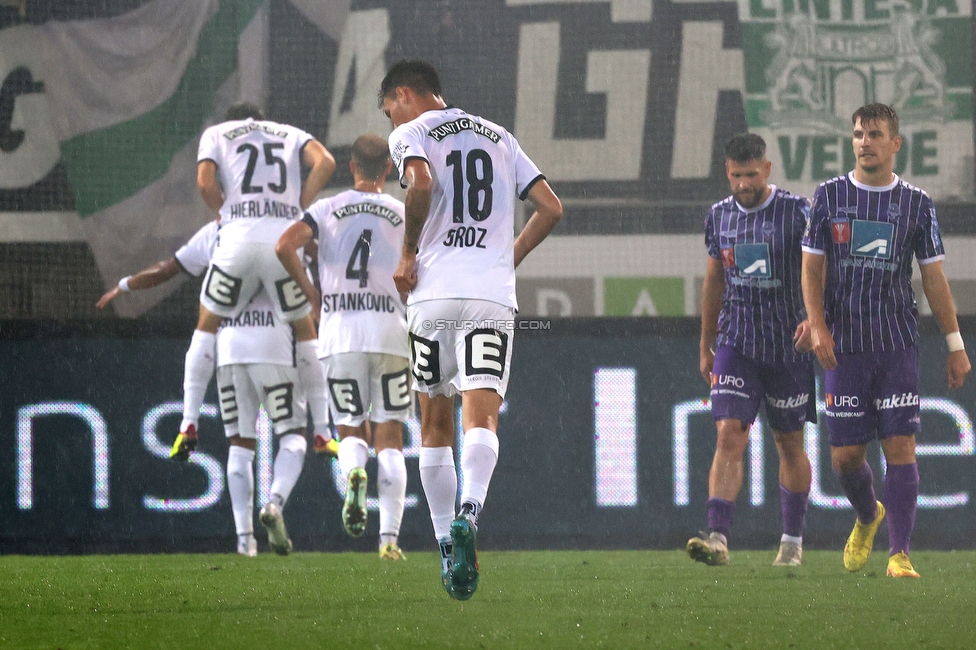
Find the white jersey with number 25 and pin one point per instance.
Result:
(466, 248)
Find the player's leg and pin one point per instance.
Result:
(850, 426)
(227, 288)
(347, 375)
(438, 474)
(283, 400)
(311, 374)
(735, 395)
(790, 403)
(390, 406)
(897, 398)
(238, 410)
(391, 484)
(433, 365)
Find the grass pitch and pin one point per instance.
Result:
(540, 599)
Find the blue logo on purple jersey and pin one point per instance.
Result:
(871, 239)
(753, 260)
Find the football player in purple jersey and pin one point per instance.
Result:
(864, 230)
(753, 323)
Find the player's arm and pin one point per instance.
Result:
(712, 290)
(321, 165)
(416, 204)
(296, 237)
(209, 186)
(147, 278)
(812, 283)
(548, 212)
(936, 288)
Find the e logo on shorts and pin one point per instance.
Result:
(278, 401)
(426, 360)
(290, 295)
(223, 289)
(485, 352)
(345, 396)
(396, 391)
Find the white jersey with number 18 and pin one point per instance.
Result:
(466, 248)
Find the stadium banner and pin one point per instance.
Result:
(605, 442)
(809, 65)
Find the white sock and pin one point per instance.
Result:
(288, 465)
(353, 453)
(240, 484)
(392, 488)
(479, 454)
(790, 538)
(197, 371)
(439, 478)
(312, 375)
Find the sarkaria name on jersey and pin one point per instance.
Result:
(369, 208)
(462, 124)
(254, 126)
(253, 318)
(357, 301)
(266, 208)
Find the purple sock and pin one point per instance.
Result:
(720, 515)
(859, 488)
(901, 501)
(794, 506)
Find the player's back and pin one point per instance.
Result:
(479, 170)
(259, 168)
(360, 239)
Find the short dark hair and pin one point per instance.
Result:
(242, 111)
(419, 76)
(877, 113)
(745, 147)
(370, 153)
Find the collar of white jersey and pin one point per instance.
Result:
(872, 188)
(765, 204)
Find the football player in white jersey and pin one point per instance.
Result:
(249, 174)
(362, 332)
(463, 175)
(255, 367)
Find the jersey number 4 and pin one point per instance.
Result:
(271, 160)
(478, 172)
(357, 268)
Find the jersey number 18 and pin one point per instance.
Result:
(479, 177)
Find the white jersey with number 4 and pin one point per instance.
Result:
(259, 168)
(479, 170)
(360, 238)
(256, 335)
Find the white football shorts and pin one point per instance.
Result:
(238, 269)
(242, 388)
(458, 345)
(368, 386)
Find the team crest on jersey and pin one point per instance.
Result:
(840, 230)
(753, 261)
(872, 239)
(894, 211)
(728, 258)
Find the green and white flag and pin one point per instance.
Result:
(811, 63)
(127, 98)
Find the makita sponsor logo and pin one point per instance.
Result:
(788, 403)
(896, 401)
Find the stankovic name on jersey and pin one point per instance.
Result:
(353, 301)
(266, 208)
(368, 208)
(247, 128)
(441, 131)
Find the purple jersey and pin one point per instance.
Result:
(760, 251)
(869, 235)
